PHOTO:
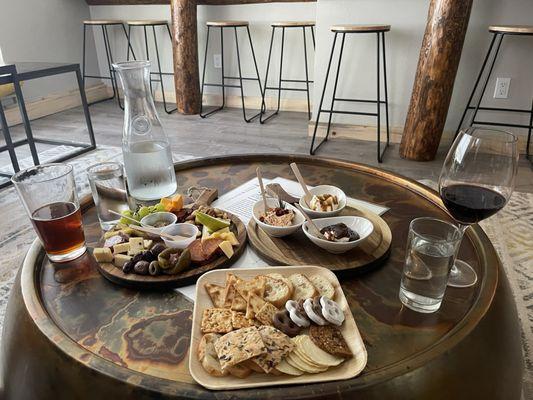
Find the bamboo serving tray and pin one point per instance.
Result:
(348, 369)
(187, 277)
(297, 249)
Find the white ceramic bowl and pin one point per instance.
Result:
(190, 231)
(361, 225)
(277, 231)
(324, 189)
(167, 217)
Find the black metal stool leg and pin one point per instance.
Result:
(83, 58)
(280, 68)
(263, 104)
(529, 131)
(113, 72)
(255, 63)
(386, 89)
(475, 85)
(313, 150)
(148, 56)
(306, 76)
(109, 63)
(7, 138)
(85, 109)
(161, 74)
(313, 36)
(129, 43)
(240, 81)
(25, 120)
(335, 87)
(378, 98)
(203, 74)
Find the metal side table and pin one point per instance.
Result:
(17, 72)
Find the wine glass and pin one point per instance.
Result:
(476, 181)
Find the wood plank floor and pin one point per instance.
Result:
(227, 133)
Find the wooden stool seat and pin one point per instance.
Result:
(360, 28)
(512, 29)
(227, 23)
(140, 22)
(102, 21)
(291, 24)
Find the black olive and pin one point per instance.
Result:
(154, 268)
(148, 256)
(141, 267)
(128, 267)
(136, 258)
(157, 248)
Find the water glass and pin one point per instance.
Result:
(432, 245)
(109, 192)
(48, 193)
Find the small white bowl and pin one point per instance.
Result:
(190, 231)
(324, 189)
(167, 217)
(361, 225)
(277, 231)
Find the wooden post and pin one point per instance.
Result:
(185, 52)
(437, 66)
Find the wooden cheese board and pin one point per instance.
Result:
(350, 368)
(296, 249)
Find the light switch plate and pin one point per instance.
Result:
(502, 88)
(217, 60)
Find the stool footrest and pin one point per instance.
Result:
(96, 77)
(291, 89)
(359, 100)
(350, 112)
(517, 110)
(221, 85)
(244, 79)
(502, 124)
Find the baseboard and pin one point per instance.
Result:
(55, 103)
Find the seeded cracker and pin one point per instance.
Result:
(238, 346)
(278, 345)
(239, 320)
(216, 320)
(266, 314)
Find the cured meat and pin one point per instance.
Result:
(203, 252)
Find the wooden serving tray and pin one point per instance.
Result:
(297, 249)
(188, 277)
(348, 369)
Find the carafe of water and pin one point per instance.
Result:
(145, 146)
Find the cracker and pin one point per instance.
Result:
(238, 303)
(216, 320)
(238, 346)
(255, 303)
(216, 293)
(239, 320)
(266, 314)
(257, 285)
(277, 344)
(329, 338)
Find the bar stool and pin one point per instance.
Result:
(498, 33)
(224, 25)
(379, 30)
(279, 88)
(145, 24)
(103, 24)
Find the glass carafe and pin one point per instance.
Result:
(145, 146)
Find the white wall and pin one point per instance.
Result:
(408, 20)
(49, 31)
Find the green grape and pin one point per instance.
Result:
(127, 213)
(159, 207)
(143, 211)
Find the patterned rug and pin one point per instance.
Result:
(509, 230)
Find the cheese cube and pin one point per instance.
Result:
(227, 248)
(121, 248)
(121, 259)
(147, 244)
(136, 246)
(103, 254)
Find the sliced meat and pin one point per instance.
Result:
(203, 252)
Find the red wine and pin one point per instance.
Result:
(470, 204)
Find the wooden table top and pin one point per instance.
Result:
(143, 337)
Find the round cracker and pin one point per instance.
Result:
(288, 369)
(316, 354)
(300, 364)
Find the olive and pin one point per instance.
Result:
(136, 258)
(128, 267)
(157, 248)
(141, 267)
(154, 268)
(148, 256)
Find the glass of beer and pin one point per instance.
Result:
(48, 193)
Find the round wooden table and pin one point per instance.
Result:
(69, 333)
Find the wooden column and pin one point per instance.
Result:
(185, 51)
(437, 66)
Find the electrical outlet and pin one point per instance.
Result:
(502, 88)
(217, 60)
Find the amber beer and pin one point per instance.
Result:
(59, 227)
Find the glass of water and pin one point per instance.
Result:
(109, 191)
(432, 245)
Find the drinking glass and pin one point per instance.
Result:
(48, 193)
(476, 181)
(431, 248)
(109, 192)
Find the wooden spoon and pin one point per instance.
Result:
(308, 218)
(300, 178)
(156, 233)
(263, 193)
(123, 216)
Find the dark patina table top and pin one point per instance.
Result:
(137, 343)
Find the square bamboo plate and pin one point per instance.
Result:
(348, 369)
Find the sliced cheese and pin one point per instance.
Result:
(227, 248)
(147, 243)
(121, 259)
(121, 248)
(103, 254)
(136, 245)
